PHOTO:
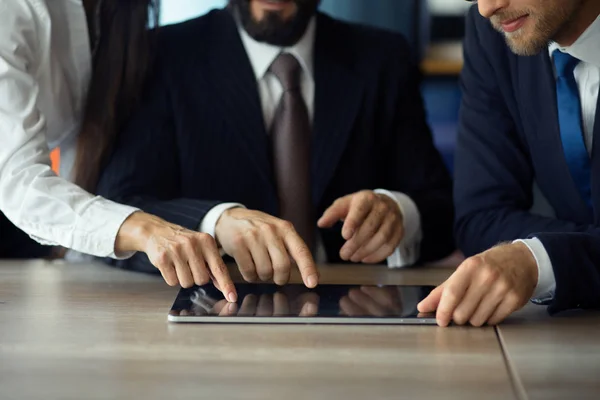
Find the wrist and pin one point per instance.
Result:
(528, 259)
(218, 224)
(134, 232)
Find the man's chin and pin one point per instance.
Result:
(523, 47)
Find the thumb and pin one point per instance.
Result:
(430, 303)
(337, 212)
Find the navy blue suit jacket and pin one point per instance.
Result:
(508, 138)
(199, 139)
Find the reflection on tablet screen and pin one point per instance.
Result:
(297, 300)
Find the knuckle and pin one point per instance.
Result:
(303, 252)
(451, 294)
(502, 285)
(253, 234)
(172, 282)
(265, 273)
(388, 248)
(460, 317)
(268, 229)
(205, 238)
(472, 263)
(162, 258)
(488, 274)
(513, 298)
(238, 240)
(281, 266)
(280, 280)
(185, 240)
(203, 280)
(245, 266)
(287, 226)
(383, 207)
(186, 284)
(219, 268)
(368, 195)
(175, 247)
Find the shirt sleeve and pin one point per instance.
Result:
(408, 252)
(50, 209)
(209, 223)
(546, 281)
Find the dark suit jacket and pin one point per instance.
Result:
(199, 139)
(508, 138)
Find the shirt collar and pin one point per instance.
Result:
(585, 47)
(262, 55)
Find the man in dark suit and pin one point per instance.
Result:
(527, 127)
(263, 117)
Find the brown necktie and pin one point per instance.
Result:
(291, 135)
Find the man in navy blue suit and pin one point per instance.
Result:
(280, 130)
(527, 188)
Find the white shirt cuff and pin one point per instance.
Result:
(209, 223)
(408, 252)
(546, 281)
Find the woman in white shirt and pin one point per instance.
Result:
(70, 73)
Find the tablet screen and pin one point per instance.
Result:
(268, 303)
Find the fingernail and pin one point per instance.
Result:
(311, 281)
(231, 307)
(231, 297)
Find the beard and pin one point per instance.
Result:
(273, 28)
(544, 26)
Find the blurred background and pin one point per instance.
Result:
(434, 28)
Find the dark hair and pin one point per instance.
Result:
(123, 59)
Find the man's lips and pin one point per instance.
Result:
(514, 25)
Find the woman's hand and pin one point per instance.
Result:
(182, 256)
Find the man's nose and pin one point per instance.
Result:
(487, 8)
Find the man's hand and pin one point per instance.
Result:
(485, 288)
(264, 247)
(373, 226)
(182, 256)
(371, 301)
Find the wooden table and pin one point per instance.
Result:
(553, 358)
(93, 332)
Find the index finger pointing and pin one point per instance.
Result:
(359, 210)
(336, 212)
(220, 272)
(303, 257)
(452, 295)
(431, 302)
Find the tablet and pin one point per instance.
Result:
(296, 304)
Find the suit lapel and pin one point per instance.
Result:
(538, 97)
(235, 90)
(338, 95)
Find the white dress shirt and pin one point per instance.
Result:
(45, 68)
(587, 75)
(270, 89)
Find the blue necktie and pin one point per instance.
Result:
(571, 125)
